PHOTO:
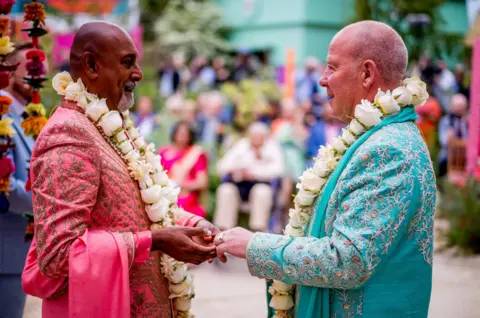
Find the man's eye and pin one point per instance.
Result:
(128, 62)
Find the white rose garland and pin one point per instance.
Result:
(158, 193)
(367, 115)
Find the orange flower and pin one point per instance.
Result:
(33, 125)
(5, 184)
(35, 12)
(4, 26)
(5, 103)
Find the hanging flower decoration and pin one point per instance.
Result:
(5, 103)
(6, 6)
(6, 71)
(34, 115)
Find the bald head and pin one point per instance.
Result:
(376, 41)
(104, 56)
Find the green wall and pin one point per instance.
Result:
(304, 25)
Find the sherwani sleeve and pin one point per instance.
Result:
(373, 211)
(66, 181)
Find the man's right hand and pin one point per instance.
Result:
(176, 241)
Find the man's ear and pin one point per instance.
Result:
(90, 65)
(369, 73)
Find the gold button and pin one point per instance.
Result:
(356, 259)
(346, 307)
(374, 214)
(306, 261)
(338, 274)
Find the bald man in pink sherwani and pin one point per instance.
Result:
(94, 254)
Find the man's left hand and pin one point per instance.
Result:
(207, 241)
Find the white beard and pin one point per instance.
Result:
(126, 102)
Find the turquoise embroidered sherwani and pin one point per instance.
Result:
(375, 259)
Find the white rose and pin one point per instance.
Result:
(140, 142)
(339, 146)
(281, 287)
(294, 231)
(160, 178)
(125, 146)
(387, 102)
(73, 90)
(367, 114)
(178, 273)
(121, 136)
(96, 109)
(152, 194)
(133, 133)
(132, 156)
(331, 159)
(151, 148)
(170, 193)
(281, 302)
(348, 137)
(145, 182)
(356, 127)
(157, 211)
(183, 303)
(156, 163)
(305, 198)
(418, 90)
(182, 289)
(111, 122)
(60, 82)
(321, 168)
(403, 96)
(311, 181)
(298, 218)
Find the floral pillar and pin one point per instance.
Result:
(6, 72)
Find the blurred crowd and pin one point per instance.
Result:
(235, 145)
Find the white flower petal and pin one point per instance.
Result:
(110, 122)
(133, 133)
(125, 147)
(348, 137)
(132, 156)
(96, 109)
(311, 181)
(280, 302)
(403, 96)
(339, 146)
(183, 303)
(160, 178)
(157, 211)
(356, 128)
(60, 82)
(152, 194)
(367, 114)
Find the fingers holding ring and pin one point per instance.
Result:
(219, 238)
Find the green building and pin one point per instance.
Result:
(304, 25)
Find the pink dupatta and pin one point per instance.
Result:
(98, 282)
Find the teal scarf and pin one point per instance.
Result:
(314, 301)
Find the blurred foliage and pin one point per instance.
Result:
(461, 206)
(192, 28)
(151, 10)
(251, 99)
(419, 37)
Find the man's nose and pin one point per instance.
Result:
(323, 81)
(137, 73)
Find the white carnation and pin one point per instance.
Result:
(96, 109)
(111, 122)
(157, 211)
(367, 114)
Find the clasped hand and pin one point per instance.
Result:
(201, 243)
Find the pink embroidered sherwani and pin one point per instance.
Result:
(83, 194)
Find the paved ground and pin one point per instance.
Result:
(228, 291)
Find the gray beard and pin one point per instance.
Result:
(126, 103)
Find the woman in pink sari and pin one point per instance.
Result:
(187, 166)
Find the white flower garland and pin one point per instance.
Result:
(158, 193)
(367, 115)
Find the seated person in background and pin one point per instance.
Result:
(452, 126)
(144, 117)
(186, 164)
(250, 165)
